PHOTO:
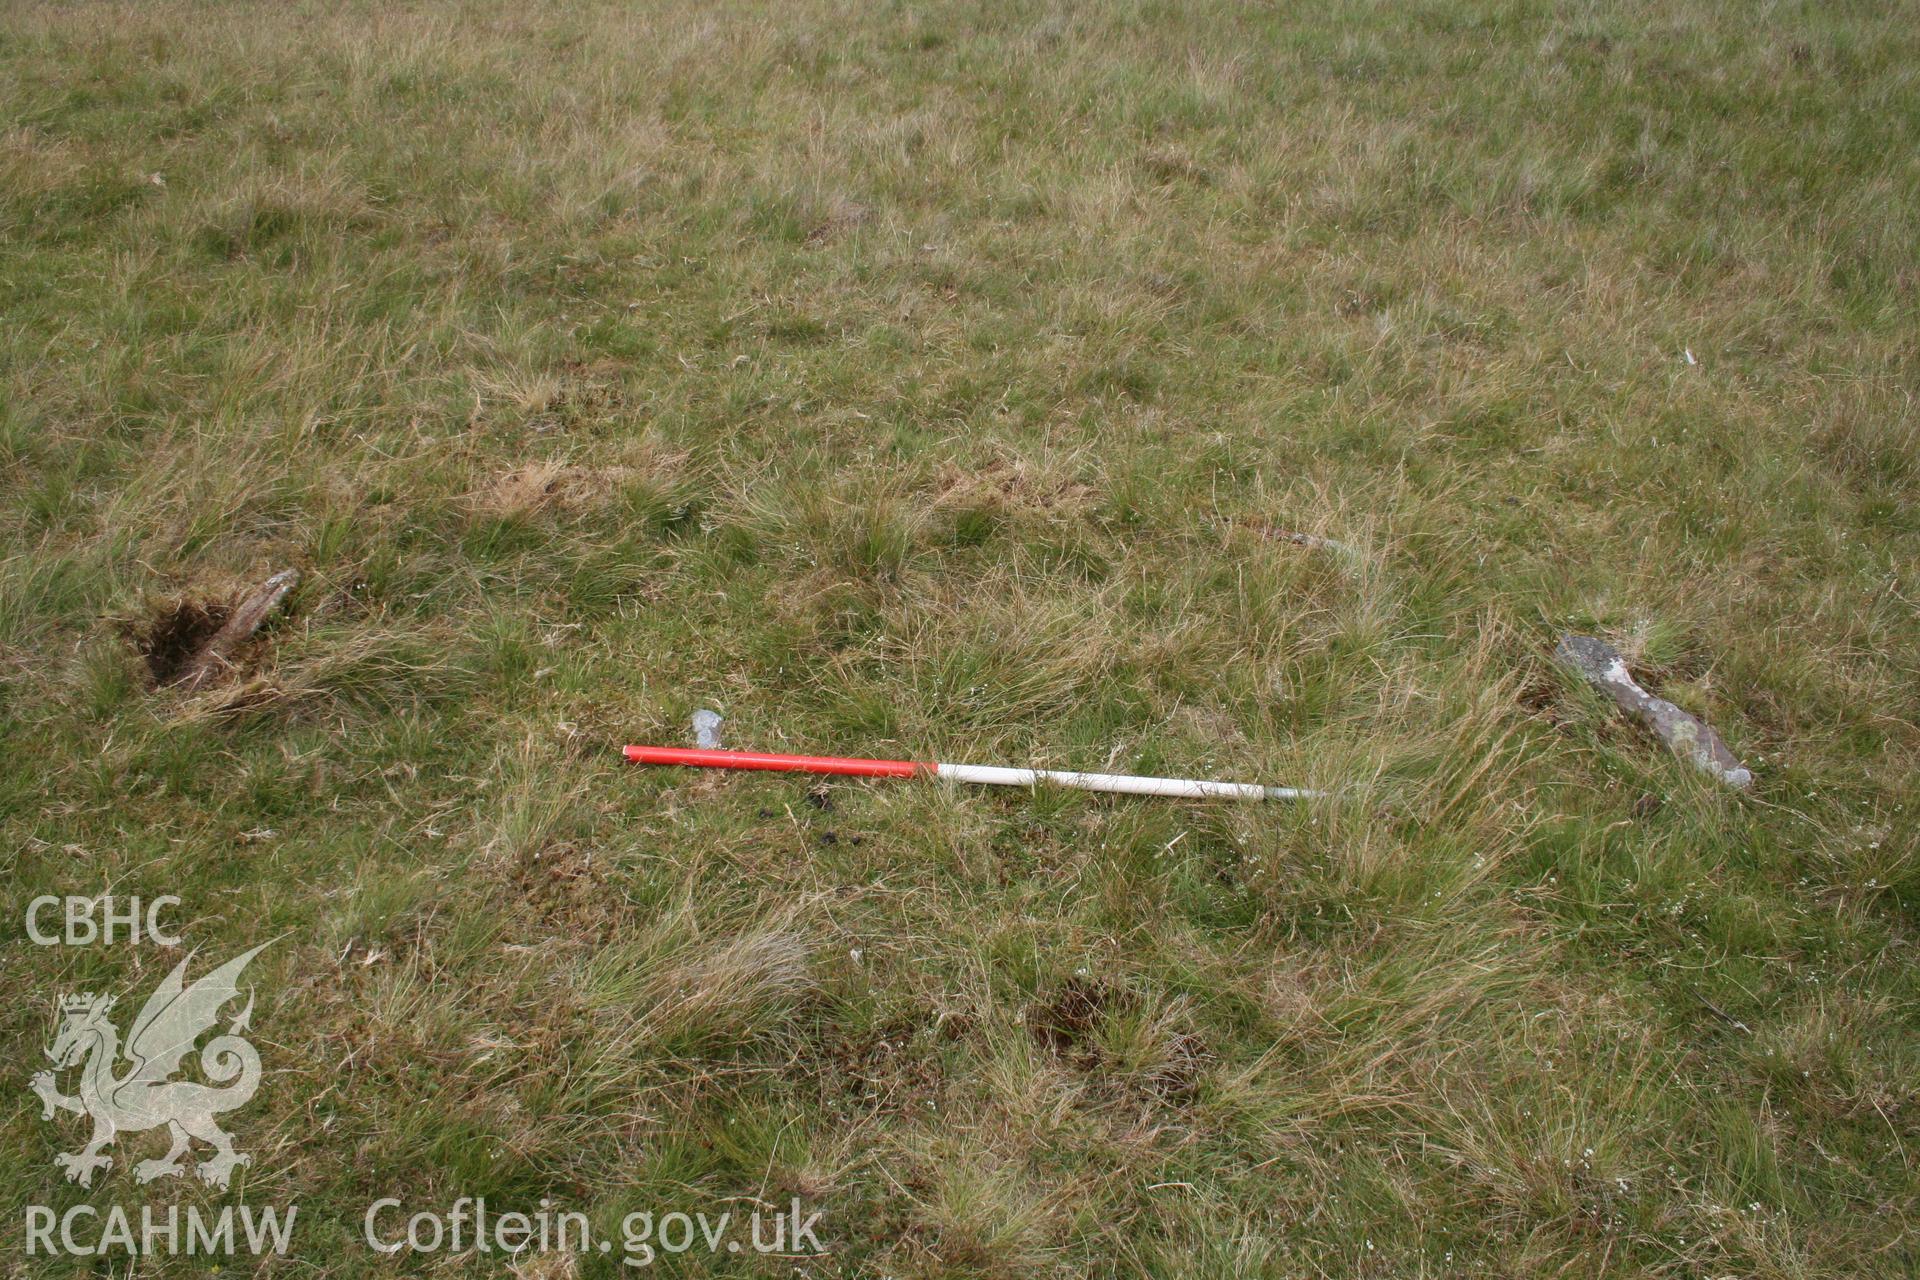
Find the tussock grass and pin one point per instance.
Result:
(1214, 389)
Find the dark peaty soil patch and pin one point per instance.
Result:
(1069, 1023)
(173, 635)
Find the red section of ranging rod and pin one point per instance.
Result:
(710, 759)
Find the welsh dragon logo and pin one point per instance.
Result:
(144, 1096)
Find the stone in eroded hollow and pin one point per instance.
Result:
(213, 659)
(1601, 665)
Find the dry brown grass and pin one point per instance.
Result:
(1217, 390)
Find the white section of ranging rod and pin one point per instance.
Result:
(1125, 784)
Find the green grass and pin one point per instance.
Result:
(932, 380)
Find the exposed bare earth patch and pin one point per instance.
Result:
(174, 634)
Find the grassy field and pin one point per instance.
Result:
(940, 380)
